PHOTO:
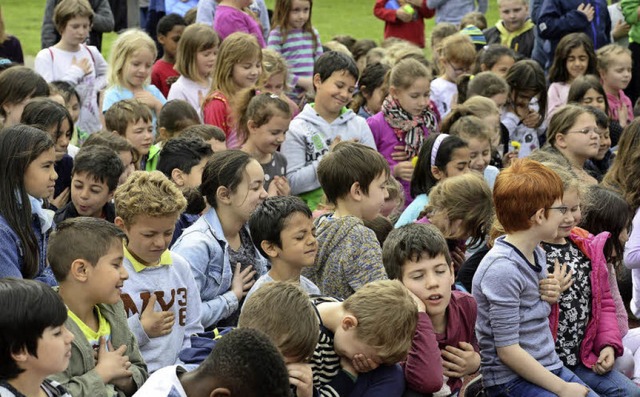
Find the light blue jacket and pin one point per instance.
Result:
(204, 246)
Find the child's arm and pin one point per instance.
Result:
(608, 334)
(423, 368)
(190, 311)
(44, 63)
(527, 367)
(385, 14)
(361, 262)
(103, 17)
(553, 22)
(101, 67)
(483, 6)
(9, 256)
(300, 172)
(215, 113)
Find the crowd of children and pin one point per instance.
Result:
(240, 206)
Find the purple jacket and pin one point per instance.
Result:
(386, 139)
(602, 329)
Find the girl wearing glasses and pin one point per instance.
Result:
(573, 132)
(585, 327)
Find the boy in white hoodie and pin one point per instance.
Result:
(323, 124)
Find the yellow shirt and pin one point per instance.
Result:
(104, 329)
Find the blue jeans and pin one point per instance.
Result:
(611, 384)
(521, 388)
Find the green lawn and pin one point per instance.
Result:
(23, 19)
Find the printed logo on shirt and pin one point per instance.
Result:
(166, 303)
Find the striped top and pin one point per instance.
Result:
(300, 51)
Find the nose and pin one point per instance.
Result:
(263, 193)
(69, 335)
(84, 193)
(54, 174)
(124, 274)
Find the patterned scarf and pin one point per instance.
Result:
(408, 128)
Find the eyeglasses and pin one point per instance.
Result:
(587, 131)
(459, 70)
(563, 209)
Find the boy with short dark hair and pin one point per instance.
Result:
(132, 120)
(161, 297)
(418, 256)
(95, 176)
(34, 342)
(169, 30)
(514, 29)
(182, 160)
(282, 227)
(85, 255)
(243, 363)
(354, 178)
(322, 124)
(520, 356)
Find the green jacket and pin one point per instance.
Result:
(80, 378)
(152, 158)
(630, 12)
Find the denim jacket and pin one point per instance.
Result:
(204, 246)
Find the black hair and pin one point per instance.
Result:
(410, 243)
(28, 308)
(333, 61)
(65, 89)
(527, 76)
(19, 83)
(423, 180)
(46, 114)
(175, 116)
(182, 153)
(20, 145)
(607, 211)
(373, 76)
(83, 237)
(558, 71)
(167, 22)
(271, 217)
(101, 163)
(491, 54)
(362, 47)
(602, 120)
(223, 169)
(233, 365)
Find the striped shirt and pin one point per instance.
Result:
(300, 50)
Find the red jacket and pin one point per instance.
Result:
(602, 329)
(411, 31)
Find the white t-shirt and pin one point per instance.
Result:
(163, 383)
(443, 93)
(188, 90)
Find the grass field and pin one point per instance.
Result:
(23, 18)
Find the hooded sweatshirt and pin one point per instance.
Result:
(349, 256)
(310, 137)
(521, 40)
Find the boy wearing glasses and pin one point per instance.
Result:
(519, 357)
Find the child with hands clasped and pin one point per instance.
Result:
(238, 66)
(86, 257)
(35, 342)
(195, 61)
(588, 339)
(417, 255)
(27, 157)
(405, 22)
(574, 57)
(519, 357)
(263, 121)
(615, 69)
(132, 57)
(148, 205)
(293, 36)
(406, 118)
(218, 246)
(72, 61)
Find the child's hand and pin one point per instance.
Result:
(550, 289)
(242, 281)
(61, 200)
(457, 256)
(347, 366)
(509, 157)
(155, 323)
(301, 376)
(403, 170)
(415, 3)
(148, 99)
(403, 15)
(605, 361)
(532, 120)
(587, 10)
(283, 185)
(620, 30)
(563, 274)
(460, 362)
(83, 64)
(571, 389)
(623, 116)
(112, 364)
(399, 154)
(362, 363)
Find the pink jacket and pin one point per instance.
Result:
(602, 329)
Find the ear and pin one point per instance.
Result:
(269, 248)
(437, 173)
(356, 192)
(220, 392)
(21, 356)
(539, 217)
(223, 195)
(79, 270)
(177, 176)
(561, 141)
(162, 133)
(251, 125)
(120, 223)
(161, 38)
(452, 271)
(316, 81)
(348, 322)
